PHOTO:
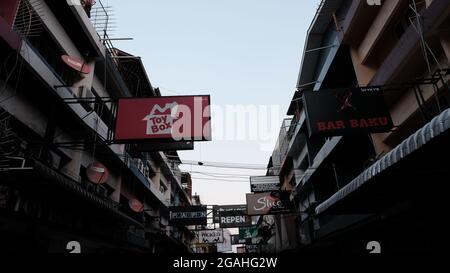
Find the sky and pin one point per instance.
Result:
(243, 53)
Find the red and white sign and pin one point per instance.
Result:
(177, 118)
(136, 205)
(76, 63)
(97, 173)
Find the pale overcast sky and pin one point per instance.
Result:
(241, 52)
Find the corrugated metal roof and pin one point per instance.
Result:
(436, 127)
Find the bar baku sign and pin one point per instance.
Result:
(163, 118)
(265, 204)
(189, 215)
(346, 111)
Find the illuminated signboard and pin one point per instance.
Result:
(178, 118)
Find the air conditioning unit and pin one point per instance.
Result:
(140, 166)
(84, 92)
(102, 191)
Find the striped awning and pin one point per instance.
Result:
(436, 127)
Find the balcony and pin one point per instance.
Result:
(137, 170)
(74, 19)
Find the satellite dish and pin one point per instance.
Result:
(90, 3)
(136, 205)
(77, 64)
(97, 173)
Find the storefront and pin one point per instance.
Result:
(398, 200)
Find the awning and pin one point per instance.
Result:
(436, 127)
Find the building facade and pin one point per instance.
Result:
(387, 188)
(59, 78)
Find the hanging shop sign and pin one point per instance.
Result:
(266, 203)
(188, 215)
(344, 111)
(231, 216)
(77, 64)
(248, 233)
(227, 208)
(179, 118)
(225, 246)
(231, 220)
(213, 236)
(251, 248)
(237, 218)
(235, 240)
(265, 183)
(240, 249)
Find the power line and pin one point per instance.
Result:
(222, 175)
(221, 180)
(225, 165)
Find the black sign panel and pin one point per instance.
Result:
(265, 183)
(346, 111)
(251, 248)
(162, 146)
(189, 215)
(229, 208)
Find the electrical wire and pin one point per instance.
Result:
(428, 48)
(425, 47)
(225, 165)
(16, 62)
(222, 176)
(219, 180)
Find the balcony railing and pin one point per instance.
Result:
(284, 138)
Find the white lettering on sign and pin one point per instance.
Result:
(267, 203)
(233, 219)
(161, 119)
(190, 214)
